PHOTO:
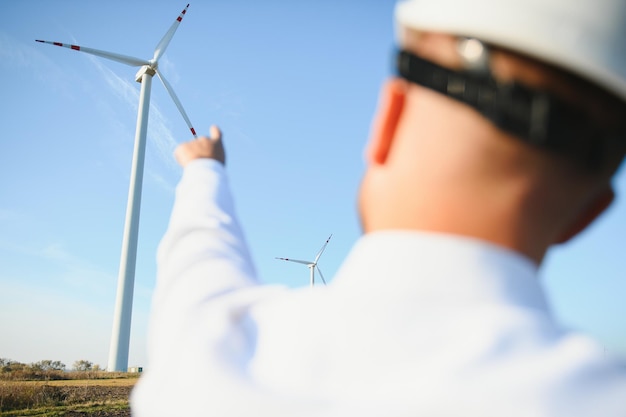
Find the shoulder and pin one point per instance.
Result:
(554, 372)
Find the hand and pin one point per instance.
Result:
(203, 147)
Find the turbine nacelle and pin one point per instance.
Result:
(146, 69)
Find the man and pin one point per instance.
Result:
(497, 140)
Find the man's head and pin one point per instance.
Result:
(507, 136)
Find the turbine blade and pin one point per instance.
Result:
(162, 46)
(317, 257)
(124, 59)
(296, 260)
(321, 275)
(170, 90)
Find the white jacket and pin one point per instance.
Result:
(413, 324)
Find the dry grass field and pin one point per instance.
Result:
(67, 398)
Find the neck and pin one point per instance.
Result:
(490, 218)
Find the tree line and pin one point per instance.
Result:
(45, 369)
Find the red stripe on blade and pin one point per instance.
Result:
(75, 47)
(193, 131)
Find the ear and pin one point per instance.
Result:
(390, 108)
(597, 207)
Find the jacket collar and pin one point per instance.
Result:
(447, 269)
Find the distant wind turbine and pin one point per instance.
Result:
(120, 339)
(312, 265)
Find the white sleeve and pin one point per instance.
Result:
(199, 334)
(204, 247)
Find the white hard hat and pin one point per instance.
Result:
(585, 37)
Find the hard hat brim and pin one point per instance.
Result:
(579, 43)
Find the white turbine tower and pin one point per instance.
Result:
(312, 265)
(120, 339)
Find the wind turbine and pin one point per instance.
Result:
(120, 338)
(312, 265)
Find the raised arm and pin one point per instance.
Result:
(198, 330)
(204, 248)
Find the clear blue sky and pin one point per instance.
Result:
(293, 85)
